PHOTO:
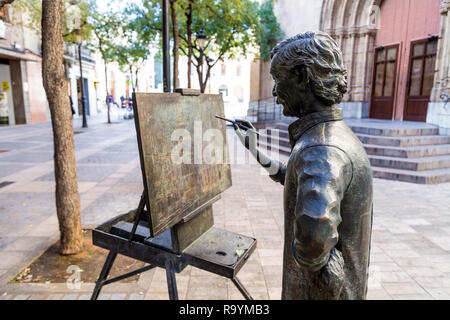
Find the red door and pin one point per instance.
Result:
(422, 67)
(384, 82)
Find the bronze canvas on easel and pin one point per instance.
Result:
(173, 189)
(185, 168)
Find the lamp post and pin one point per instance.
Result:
(79, 41)
(201, 41)
(166, 45)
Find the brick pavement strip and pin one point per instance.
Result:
(410, 257)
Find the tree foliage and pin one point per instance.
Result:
(104, 28)
(83, 10)
(5, 2)
(141, 25)
(230, 27)
(269, 31)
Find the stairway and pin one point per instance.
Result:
(402, 151)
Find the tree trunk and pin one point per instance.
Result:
(176, 44)
(189, 37)
(136, 75)
(55, 84)
(208, 75)
(108, 105)
(200, 74)
(131, 77)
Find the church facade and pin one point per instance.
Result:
(397, 54)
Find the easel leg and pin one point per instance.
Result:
(104, 274)
(171, 281)
(241, 288)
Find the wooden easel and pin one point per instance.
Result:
(130, 239)
(192, 240)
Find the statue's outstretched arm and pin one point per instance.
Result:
(275, 168)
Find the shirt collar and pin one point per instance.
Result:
(300, 126)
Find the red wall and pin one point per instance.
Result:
(403, 21)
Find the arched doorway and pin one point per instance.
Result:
(381, 41)
(353, 24)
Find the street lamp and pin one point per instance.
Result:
(201, 40)
(78, 39)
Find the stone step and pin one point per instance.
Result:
(409, 141)
(418, 151)
(417, 164)
(394, 132)
(383, 129)
(409, 152)
(422, 177)
(274, 148)
(435, 176)
(282, 126)
(280, 132)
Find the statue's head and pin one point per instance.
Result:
(309, 73)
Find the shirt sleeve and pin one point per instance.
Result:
(281, 174)
(324, 173)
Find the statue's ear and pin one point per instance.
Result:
(302, 75)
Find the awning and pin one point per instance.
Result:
(14, 54)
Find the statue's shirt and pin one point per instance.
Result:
(328, 204)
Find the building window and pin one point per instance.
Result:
(239, 93)
(422, 67)
(223, 90)
(223, 70)
(238, 70)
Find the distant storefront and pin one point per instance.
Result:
(21, 103)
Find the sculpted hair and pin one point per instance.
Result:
(321, 57)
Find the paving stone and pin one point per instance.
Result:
(69, 296)
(104, 296)
(9, 169)
(56, 296)
(38, 297)
(136, 296)
(27, 244)
(21, 297)
(123, 147)
(16, 145)
(111, 157)
(28, 157)
(440, 293)
(378, 294)
(410, 257)
(11, 259)
(86, 173)
(410, 288)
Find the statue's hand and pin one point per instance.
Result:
(246, 123)
(248, 137)
(332, 274)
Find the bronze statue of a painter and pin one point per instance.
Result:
(327, 180)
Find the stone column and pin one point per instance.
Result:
(438, 110)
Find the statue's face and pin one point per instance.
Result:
(288, 89)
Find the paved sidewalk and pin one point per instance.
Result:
(410, 257)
